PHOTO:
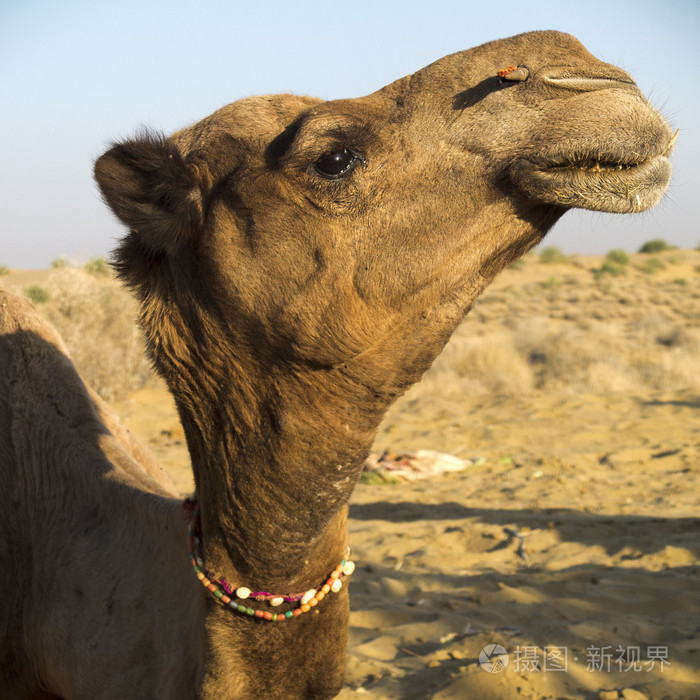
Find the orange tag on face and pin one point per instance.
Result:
(502, 73)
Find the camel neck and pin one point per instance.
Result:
(277, 442)
(273, 475)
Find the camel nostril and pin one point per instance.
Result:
(586, 83)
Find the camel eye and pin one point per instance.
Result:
(336, 164)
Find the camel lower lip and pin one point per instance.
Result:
(602, 185)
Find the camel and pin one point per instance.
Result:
(299, 264)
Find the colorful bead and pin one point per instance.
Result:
(308, 596)
(220, 588)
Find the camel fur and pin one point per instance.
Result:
(299, 264)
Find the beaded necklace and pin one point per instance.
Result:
(234, 596)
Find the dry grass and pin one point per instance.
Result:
(96, 319)
(560, 327)
(578, 331)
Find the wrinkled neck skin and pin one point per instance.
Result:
(275, 463)
(274, 478)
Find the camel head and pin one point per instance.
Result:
(359, 232)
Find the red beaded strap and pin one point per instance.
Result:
(225, 593)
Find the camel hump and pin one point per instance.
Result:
(18, 317)
(37, 376)
(39, 385)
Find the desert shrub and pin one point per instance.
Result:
(97, 266)
(552, 254)
(491, 362)
(610, 268)
(652, 266)
(614, 265)
(4, 270)
(96, 319)
(564, 342)
(59, 263)
(476, 365)
(557, 357)
(36, 293)
(674, 335)
(617, 256)
(681, 281)
(377, 478)
(551, 283)
(657, 245)
(667, 366)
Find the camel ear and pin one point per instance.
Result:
(153, 190)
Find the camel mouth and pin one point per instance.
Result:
(604, 182)
(596, 166)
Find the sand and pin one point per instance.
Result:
(603, 493)
(572, 542)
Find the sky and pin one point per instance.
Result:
(76, 75)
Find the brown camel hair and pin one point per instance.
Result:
(299, 265)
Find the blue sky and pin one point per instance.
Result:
(77, 74)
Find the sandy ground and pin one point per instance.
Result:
(572, 543)
(603, 492)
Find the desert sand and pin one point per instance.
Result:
(572, 539)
